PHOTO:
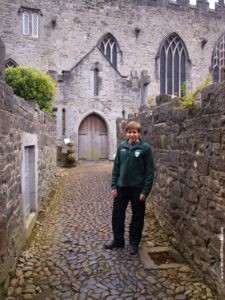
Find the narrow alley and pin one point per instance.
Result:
(65, 257)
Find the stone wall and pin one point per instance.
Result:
(189, 189)
(22, 125)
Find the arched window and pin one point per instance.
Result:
(108, 46)
(173, 61)
(218, 60)
(10, 63)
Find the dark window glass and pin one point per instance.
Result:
(96, 82)
(218, 59)
(63, 121)
(108, 46)
(10, 63)
(162, 70)
(173, 58)
(183, 67)
(176, 73)
(216, 74)
(114, 57)
(108, 52)
(169, 72)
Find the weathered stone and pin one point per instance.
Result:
(10, 291)
(188, 193)
(3, 234)
(18, 116)
(18, 291)
(180, 297)
(117, 274)
(2, 59)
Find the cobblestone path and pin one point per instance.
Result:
(65, 258)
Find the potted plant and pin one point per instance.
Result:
(70, 156)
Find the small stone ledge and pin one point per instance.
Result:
(149, 264)
(30, 221)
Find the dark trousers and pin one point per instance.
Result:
(124, 195)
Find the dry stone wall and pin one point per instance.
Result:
(21, 123)
(189, 189)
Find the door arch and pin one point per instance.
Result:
(93, 138)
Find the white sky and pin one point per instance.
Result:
(211, 3)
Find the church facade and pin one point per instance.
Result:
(110, 58)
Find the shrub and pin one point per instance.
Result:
(32, 84)
(188, 98)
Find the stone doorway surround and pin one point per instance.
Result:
(29, 180)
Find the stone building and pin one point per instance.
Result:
(111, 57)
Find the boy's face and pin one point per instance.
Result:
(132, 135)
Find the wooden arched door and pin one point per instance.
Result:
(93, 139)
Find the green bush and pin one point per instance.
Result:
(32, 84)
(188, 98)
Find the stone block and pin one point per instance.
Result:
(212, 100)
(163, 112)
(217, 164)
(176, 188)
(202, 164)
(161, 99)
(174, 157)
(3, 234)
(161, 258)
(190, 195)
(5, 174)
(214, 248)
(179, 115)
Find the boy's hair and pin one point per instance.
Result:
(133, 125)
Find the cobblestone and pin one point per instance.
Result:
(65, 258)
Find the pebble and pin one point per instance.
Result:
(18, 291)
(10, 291)
(66, 258)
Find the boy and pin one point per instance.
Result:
(132, 179)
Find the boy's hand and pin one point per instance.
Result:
(114, 193)
(142, 197)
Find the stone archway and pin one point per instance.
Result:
(93, 138)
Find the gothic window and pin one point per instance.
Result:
(96, 81)
(218, 60)
(10, 63)
(108, 47)
(173, 60)
(30, 18)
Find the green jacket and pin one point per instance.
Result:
(134, 168)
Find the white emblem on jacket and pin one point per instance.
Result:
(137, 153)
